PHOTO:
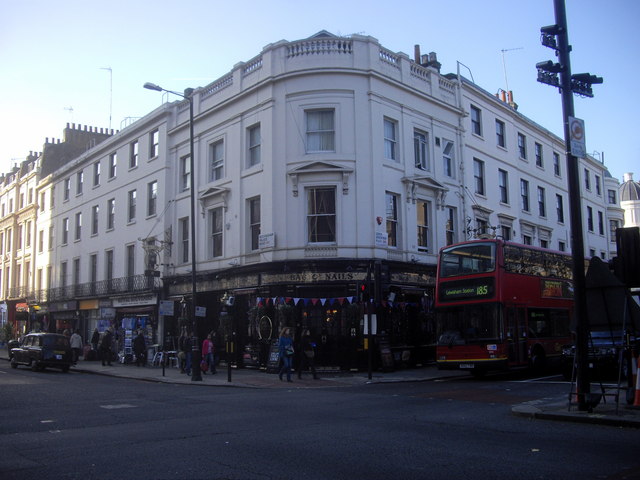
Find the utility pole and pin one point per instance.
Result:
(557, 38)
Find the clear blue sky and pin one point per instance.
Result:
(53, 56)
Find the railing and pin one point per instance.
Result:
(217, 86)
(320, 46)
(102, 288)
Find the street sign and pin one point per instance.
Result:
(578, 146)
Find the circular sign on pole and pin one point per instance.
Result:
(578, 146)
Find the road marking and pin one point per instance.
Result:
(114, 407)
(47, 421)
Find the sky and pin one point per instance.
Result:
(85, 62)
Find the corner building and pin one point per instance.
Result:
(329, 163)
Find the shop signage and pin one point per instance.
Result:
(166, 307)
(313, 277)
(63, 306)
(201, 311)
(382, 239)
(135, 300)
(266, 240)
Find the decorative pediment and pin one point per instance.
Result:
(425, 182)
(320, 168)
(480, 210)
(210, 194)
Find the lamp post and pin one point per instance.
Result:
(196, 374)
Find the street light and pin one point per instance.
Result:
(196, 374)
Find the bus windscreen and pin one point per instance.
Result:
(468, 259)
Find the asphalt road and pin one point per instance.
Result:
(81, 426)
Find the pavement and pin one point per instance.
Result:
(607, 412)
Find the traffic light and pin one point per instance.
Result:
(581, 83)
(548, 72)
(364, 293)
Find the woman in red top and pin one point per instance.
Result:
(208, 349)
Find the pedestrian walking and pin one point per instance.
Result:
(208, 350)
(105, 347)
(285, 350)
(95, 339)
(186, 349)
(306, 358)
(140, 349)
(76, 345)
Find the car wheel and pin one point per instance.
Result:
(14, 364)
(34, 365)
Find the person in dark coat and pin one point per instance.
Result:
(95, 339)
(105, 347)
(140, 349)
(307, 355)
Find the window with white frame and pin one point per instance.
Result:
(390, 139)
(587, 179)
(152, 198)
(66, 191)
(562, 246)
(154, 144)
(448, 159)
(423, 211)
(183, 232)
(505, 232)
(538, 152)
(79, 182)
(76, 271)
(524, 194)
(560, 208)
(421, 149)
(253, 145)
(113, 165)
(185, 173)
(503, 186)
(542, 204)
(476, 121)
(556, 164)
(133, 154)
(320, 130)
(65, 231)
(522, 146)
(108, 264)
(96, 174)
(254, 223)
(590, 219)
(78, 226)
(131, 205)
(478, 176)
(392, 219)
(216, 222)
(596, 182)
(111, 213)
(93, 268)
(95, 212)
(613, 227)
(600, 223)
(612, 197)
(216, 160)
(500, 135)
(63, 274)
(451, 226)
(321, 215)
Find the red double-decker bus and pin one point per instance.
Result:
(502, 305)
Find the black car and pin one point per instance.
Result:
(41, 350)
(606, 351)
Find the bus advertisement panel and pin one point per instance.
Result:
(502, 305)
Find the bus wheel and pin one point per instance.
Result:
(478, 372)
(538, 360)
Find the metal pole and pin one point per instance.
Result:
(577, 242)
(196, 374)
(369, 325)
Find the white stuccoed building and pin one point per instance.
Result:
(321, 165)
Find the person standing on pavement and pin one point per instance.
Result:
(187, 345)
(95, 339)
(140, 349)
(105, 347)
(208, 350)
(285, 350)
(307, 355)
(76, 345)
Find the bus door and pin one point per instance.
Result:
(516, 323)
